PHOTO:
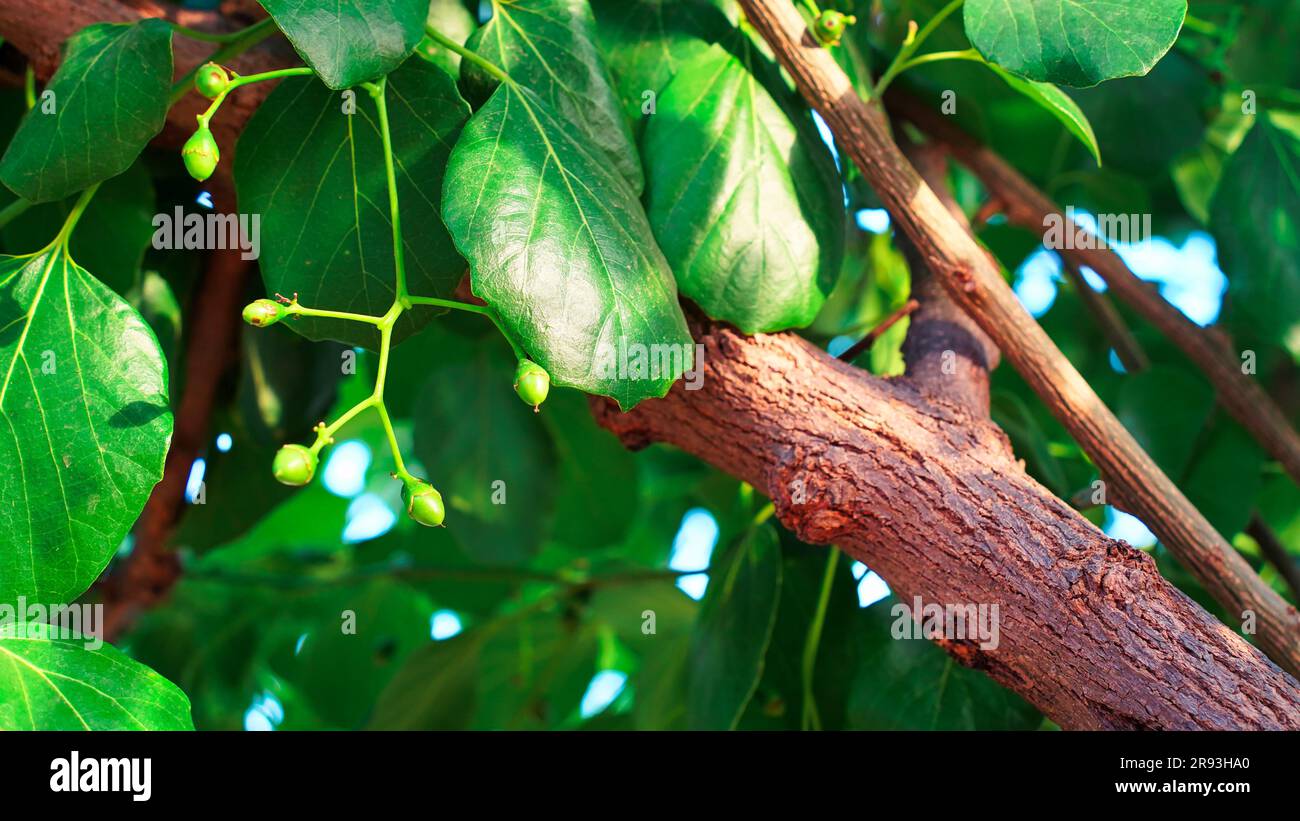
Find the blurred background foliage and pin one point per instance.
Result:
(617, 590)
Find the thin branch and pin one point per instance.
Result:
(865, 343)
(975, 283)
(1273, 549)
(1108, 318)
(1028, 206)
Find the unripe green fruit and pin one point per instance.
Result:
(532, 383)
(263, 312)
(830, 25)
(201, 154)
(210, 80)
(423, 503)
(294, 465)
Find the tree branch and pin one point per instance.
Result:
(930, 496)
(976, 285)
(1029, 207)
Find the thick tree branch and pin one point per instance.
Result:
(1028, 206)
(976, 285)
(930, 496)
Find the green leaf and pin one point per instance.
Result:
(111, 238)
(733, 632)
(1165, 408)
(48, 682)
(911, 684)
(549, 47)
(647, 42)
(471, 433)
(351, 41)
(743, 196)
(597, 488)
(1226, 478)
(109, 100)
(1168, 104)
(436, 689)
(84, 424)
(1073, 42)
(558, 244)
(1058, 104)
(1256, 223)
(316, 175)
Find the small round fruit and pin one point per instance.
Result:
(210, 80)
(830, 26)
(424, 503)
(263, 312)
(294, 465)
(532, 383)
(201, 154)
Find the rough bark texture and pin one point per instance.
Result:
(929, 495)
(975, 284)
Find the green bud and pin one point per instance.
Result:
(263, 312)
(829, 26)
(201, 154)
(423, 503)
(532, 383)
(294, 465)
(210, 80)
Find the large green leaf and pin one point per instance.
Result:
(351, 41)
(742, 195)
(316, 175)
(84, 424)
(489, 456)
(435, 689)
(1165, 408)
(109, 100)
(911, 684)
(597, 488)
(734, 628)
(48, 682)
(647, 42)
(559, 245)
(1074, 42)
(1255, 217)
(549, 47)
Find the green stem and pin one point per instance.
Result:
(246, 39)
(481, 310)
(12, 210)
(811, 720)
(324, 435)
(210, 36)
(910, 46)
(1200, 26)
(811, 5)
(239, 81)
(399, 263)
(939, 56)
(29, 87)
(70, 224)
(295, 309)
(487, 65)
(763, 515)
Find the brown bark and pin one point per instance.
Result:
(929, 495)
(975, 284)
(148, 574)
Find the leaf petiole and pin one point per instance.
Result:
(246, 39)
(903, 60)
(483, 63)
